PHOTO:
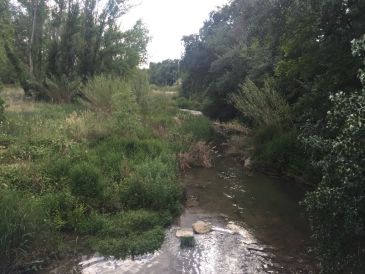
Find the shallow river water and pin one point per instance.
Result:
(273, 235)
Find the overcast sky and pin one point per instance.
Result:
(169, 20)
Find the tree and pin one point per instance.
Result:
(165, 73)
(55, 44)
(6, 73)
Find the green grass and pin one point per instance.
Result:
(106, 175)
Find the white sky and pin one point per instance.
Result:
(168, 21)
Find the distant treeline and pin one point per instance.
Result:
(165, 73)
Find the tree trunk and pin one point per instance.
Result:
(35, 8)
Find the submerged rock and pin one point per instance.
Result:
(186, 236)
(248, 164)
(201, 227)
(184, 233)
(234, 228)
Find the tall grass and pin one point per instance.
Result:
(22, 220)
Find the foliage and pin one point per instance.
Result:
(141, 88)
(265, 107)
(199, 126)
(88, 174)
(85, 181)
(21, 222)
(152, 186)
(305, 49)
(304, 45)
(185, 103)
(131, 233)
(165, 73)
(7, 74)
(116, 97)
(336, 208)
(46, 43)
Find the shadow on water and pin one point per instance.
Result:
(273, 235)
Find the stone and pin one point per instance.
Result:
(186, 236)
(248, 164)
(185, 233)
(201, 227)
(234, 228)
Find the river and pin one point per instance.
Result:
(273, 235)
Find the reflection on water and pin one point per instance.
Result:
(273, 237)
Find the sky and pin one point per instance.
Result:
(168, 21)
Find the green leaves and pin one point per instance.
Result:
(265, 107)
(336, 208)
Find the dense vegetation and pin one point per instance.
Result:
(100, 170)
(89, 162)
(165, 73)
(51, 48)
(99, 175)
(293, 71)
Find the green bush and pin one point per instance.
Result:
(336, 209)
(86, 181)
(115, 96)
(185, 103)
(134, 244)
(22, 221)
(58, 207)
(153, 186)
(135, 149)
(199, 126)
(131, 233)
(141, 87)
(265, 107)
(282, 150)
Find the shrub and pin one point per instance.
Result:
(86, 181)
(100, 91)
(336, 208)
(58, 206)
(141, 87)
(264, 106)
(135, 244)
(114, 96)
(21, 222)
(132, 148)
(153, 186)
(131, 233)
(185, 103)
(199, 126)
(199, 155)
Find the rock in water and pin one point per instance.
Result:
(185, 233)
(202, 227)
(248, 164)
(186, 236)
(234, 228)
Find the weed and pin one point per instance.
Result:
(86, 181)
